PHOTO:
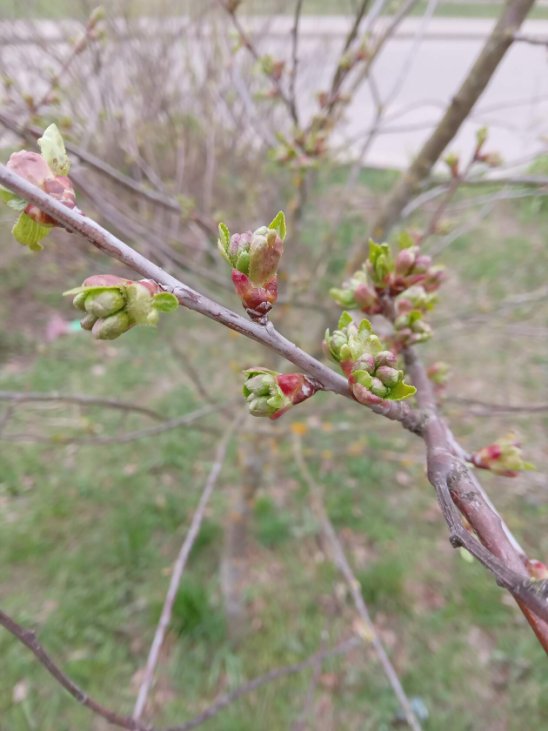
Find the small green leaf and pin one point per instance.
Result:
(278, 224)
(365, 325)
(53, 150)
(224, 235)
(401, 391)
(363, 378)
(29, 233)
(344, 320)
(165, 302)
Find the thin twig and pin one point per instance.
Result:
(178, 568)
(276, 674)
(344, 567)
(124, 437)
(21, 397)
(498, 408)
(295, 60)
(29, 639)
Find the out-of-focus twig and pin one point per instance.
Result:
(28, 638)
(22, 397)
(178, 568)
(368, 628)
(276, 674)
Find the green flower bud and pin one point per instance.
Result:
(111, 327)
(79, 301)
(105, 303)
(87, 322)
(378, 388)
(388, 376)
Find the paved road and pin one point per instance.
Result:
(418, 79)
(418, 72)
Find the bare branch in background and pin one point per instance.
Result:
(29, 639)
(178, 568)
(23, 397)
(458, 110)
(226, 699)
(339, 557)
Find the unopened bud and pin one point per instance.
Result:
(87, 322)
(105, 303)
(111, 327)
(388, 376)
(405, 260)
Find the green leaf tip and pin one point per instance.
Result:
(278, 224)
(224, 235)
(165, 302)
(401, 391)
(52, 148)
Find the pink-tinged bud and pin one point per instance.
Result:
(105, 280)
(422, 263)
(538, 571)
(367, 299)
(405, 260)
(257, 301)
(31, 166)
(434, 278)
(378, 388)
(296, 386)
(388, 376)
(364, 395)
(271, 394)
(386, 358)
(265, 252)
(503, 457)
(366, 362)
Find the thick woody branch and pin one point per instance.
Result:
(458, 490)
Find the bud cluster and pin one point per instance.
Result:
(47, 171)
(113, 305)
(271, 394)
(254, 258)
(370, 368)
(503, 457)
(409, 279)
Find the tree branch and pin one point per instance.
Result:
(29, 639)
(458, 110)
(22, 397)
(265, 335)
